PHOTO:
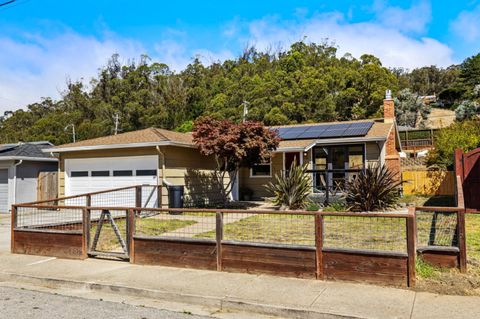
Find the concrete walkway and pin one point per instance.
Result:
(285, 297)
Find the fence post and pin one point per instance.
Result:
(89, 200)
(130, 232)
(159, 196)
(319, 246)
(85, 231)
(13, 224)
(462, 246)
(219, 237)
(411, 249)
(138, 196)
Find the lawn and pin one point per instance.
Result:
(340, 232)
(108, 241)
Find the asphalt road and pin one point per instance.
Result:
(20, 304)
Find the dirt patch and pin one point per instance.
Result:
(451, 282)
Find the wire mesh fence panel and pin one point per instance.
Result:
(366, 233)
(174, 225)
(284, 229)
(65, 219)
(436, 229)
(149, 195)
(108, 231)
(115, 198)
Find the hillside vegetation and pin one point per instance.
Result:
(306, 83)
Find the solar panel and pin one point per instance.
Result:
(358, 129)
(324, 130)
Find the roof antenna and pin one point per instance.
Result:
(73, 131)
(245, 110)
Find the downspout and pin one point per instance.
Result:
(162, 158)
(15, 180)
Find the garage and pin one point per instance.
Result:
(3, 190)
(89, 175)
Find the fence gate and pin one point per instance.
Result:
(108, 234)
(467, 166)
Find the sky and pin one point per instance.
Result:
(44, 43)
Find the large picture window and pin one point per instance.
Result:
(333, 165)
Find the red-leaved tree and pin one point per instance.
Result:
(232, 146)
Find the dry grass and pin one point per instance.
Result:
(108, 241)
(451, 281)
(380, 233)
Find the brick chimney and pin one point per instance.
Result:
(388, 108)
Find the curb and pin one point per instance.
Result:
(223, 303)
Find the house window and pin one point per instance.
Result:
(79, 174)
(100, 173)
(122, 173)
(146, 172)
(261, 170)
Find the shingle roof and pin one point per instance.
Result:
(156, 135)
(33, 150)
(149, 135)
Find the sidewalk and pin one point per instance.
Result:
(285, 297)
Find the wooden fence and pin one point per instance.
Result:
(300, 244)
(47, 186)
(428, 182)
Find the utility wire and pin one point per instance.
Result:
(7, 2)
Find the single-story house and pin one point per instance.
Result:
(20, 166)
(333, 151)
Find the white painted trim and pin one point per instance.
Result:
(116, 146)
(27, 158)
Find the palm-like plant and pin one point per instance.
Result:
(374, 189)
(293, 189)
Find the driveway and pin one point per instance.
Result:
(4, 232)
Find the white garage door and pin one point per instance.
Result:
(3, 190)
(97, 174)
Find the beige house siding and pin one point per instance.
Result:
(257, 184)
(183, 166)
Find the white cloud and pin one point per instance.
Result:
(34, 66)
(393, 47)
(467, 25)
(413, 19)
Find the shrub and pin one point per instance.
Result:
(293, 189)
(374, 189)
(464, 135)
(336, 206)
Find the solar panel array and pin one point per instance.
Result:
(325, 130)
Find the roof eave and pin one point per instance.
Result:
(332, 141)
(28, 158)
(115, 146)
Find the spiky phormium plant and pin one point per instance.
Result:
(293, 189)
(374, 189)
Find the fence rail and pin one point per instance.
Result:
(373, 247)
(325, 245)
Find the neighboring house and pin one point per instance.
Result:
(20, 165)
(153, 156)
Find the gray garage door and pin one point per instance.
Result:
(3, 190)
